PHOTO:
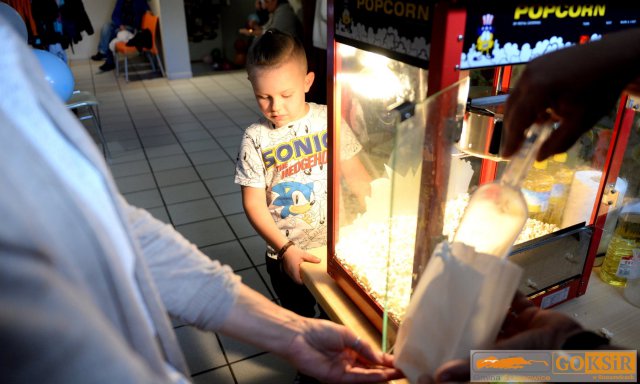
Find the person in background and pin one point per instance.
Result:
(281, 17)
(254, 21)
(315, 42)
(126, 16)
(576, 86)
(297, 6)
(259, 17)
(87, 281)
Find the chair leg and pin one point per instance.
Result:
(126, 69)
(160, 65)
(150, 58)
(117, 59)
(95, 115)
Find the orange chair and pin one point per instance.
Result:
(150, 22)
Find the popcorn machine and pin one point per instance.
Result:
(420, 85)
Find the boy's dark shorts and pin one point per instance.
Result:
(292, 296)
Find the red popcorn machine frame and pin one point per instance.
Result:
(419, 86)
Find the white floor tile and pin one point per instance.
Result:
(184, 192)
(145, 199)
(241, 225)
(264, 369)
(229, 253)
(200, 348)
(220, 375)
(231, 203)
(135, 183)
(207, 232)
(253, 279)
(176, 176)
(193, 211)
(222, 185)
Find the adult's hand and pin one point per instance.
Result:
(576, 85)
(328, 351)
(525, 327)
(334, 354)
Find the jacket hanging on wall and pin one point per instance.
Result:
(62, 23)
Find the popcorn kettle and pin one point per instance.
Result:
(481, 133)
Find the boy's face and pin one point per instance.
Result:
(280, 91)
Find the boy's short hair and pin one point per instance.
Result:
(274, 48)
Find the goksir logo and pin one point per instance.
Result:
(556, 366)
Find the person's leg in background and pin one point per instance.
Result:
(107, 33)
(109, 63)
(123, 35)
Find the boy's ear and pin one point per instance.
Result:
(308, 81)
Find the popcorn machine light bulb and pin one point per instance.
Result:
(497, 211)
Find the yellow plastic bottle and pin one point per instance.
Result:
(562, 178)
(624, 245)
(537, 190)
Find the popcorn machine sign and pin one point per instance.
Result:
(510, 32)
(398, 29)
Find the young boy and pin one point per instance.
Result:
(282, 165)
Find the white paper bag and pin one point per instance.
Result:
(458, 305)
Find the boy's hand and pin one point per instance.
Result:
(293, 257)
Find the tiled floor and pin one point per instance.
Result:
(173, 145)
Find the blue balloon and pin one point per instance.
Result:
(57, 73)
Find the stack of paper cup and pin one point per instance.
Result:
(581, 198)
(632, 291)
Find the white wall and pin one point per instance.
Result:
(175, 45)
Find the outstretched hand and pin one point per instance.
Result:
(525, 327)
(575, 86)
(333, 353)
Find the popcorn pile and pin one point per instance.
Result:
(380, 257)
(379, 254)
(455, 209)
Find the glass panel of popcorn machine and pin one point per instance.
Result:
(380, 141)
(371, 87)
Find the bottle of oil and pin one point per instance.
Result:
(537, 190)
(623, 250)
(562, 178)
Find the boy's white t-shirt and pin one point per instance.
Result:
(290, 162)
